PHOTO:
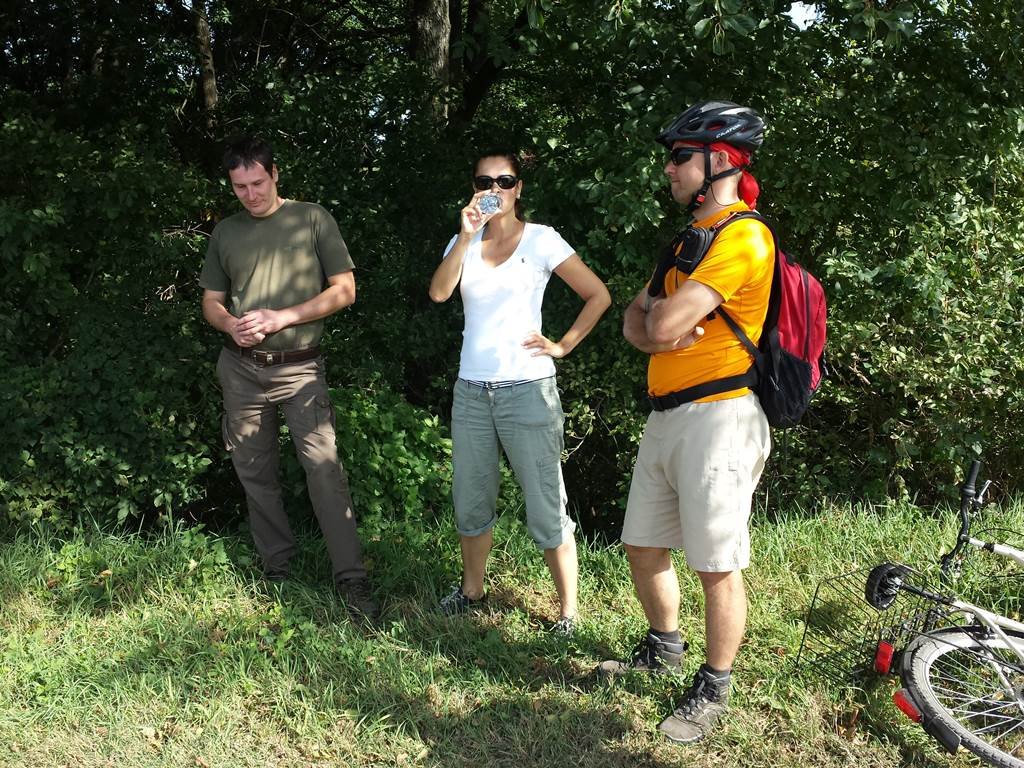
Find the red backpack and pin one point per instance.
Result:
(789, 359)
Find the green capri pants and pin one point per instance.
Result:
(526, 421)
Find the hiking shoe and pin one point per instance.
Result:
(358, 597)
(564, 627)
(651, 655)
(456, 602)
(703, 704)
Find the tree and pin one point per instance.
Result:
(430, 40)
(896, 186)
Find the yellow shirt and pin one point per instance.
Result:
(739, 267)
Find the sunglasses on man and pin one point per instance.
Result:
(505, 181)
(680, 155)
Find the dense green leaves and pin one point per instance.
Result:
(892, 166)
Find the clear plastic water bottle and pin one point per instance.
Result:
(489, 203)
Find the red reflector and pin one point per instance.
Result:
(907, 707)
(883, 657)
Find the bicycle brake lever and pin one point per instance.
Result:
(979, 499)
(950, 567)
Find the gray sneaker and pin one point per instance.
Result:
(703, 704)
(456, 602)
(651, 655)
(564, 627)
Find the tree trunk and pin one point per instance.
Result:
(455, 64)
(431, 33)
(476, 23)
(485, 71)
(207, 72)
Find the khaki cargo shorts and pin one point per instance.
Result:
(694, 480)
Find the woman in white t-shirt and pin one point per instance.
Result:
(505, 396)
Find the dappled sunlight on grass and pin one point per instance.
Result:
(181, 656)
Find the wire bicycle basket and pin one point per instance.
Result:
(842, 632)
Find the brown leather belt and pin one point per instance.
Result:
(273, 357)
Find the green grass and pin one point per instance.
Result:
(168, 651)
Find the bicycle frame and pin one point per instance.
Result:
(995, 622)
(928, 624)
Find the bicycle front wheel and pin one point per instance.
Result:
(954, 676)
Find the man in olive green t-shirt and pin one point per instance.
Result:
(272, 273)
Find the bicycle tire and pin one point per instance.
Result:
(947, 674)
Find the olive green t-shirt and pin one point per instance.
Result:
(275, 262)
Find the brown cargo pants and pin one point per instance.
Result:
(250, 425)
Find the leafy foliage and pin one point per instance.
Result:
(401, 454)
(896, 186)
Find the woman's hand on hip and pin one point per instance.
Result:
(542, 345)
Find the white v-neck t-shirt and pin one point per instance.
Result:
(502, 306)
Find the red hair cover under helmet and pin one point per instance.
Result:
(749, 189)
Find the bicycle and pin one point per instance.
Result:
(964, 684)
(963, 678)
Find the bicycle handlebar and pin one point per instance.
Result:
(967, 499)
(967, 489)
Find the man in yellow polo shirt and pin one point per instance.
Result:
(272, 273)
(701, 455)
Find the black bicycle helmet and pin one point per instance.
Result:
(709, 121)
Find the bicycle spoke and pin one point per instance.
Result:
(1003, 734)
(969, 683)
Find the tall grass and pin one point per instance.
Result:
(168, 650)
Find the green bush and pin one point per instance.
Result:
(107, 396)
(398, 456)
(897, 188)
(115, 429)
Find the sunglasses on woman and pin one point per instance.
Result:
(505, 181)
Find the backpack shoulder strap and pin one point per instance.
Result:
(737, 216)
(733, 325)
(696, 241)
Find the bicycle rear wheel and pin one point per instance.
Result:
(952, 675)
